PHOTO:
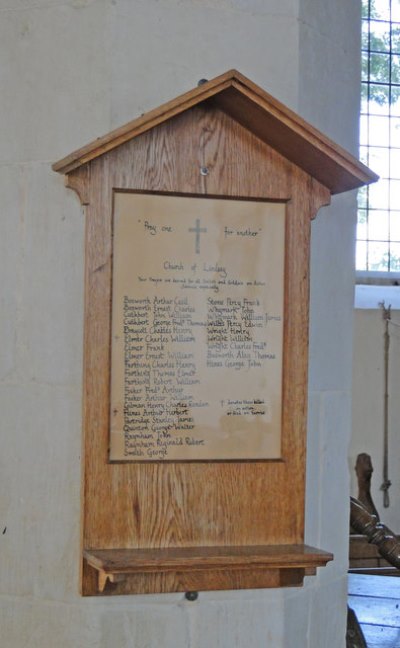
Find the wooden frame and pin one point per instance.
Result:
(163, 527)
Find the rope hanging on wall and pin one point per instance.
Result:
(386, 484)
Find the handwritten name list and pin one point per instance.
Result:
(197, 329)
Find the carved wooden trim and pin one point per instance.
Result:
(378, 534)
(262, 115)
(79, 181)
(364, 470)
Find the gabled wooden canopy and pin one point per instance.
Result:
(261, 114)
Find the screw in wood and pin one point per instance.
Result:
(192, 596)
(204, 171)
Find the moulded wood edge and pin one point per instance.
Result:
(118, 561)
(117, 565)
(141, 124)
(354, 172)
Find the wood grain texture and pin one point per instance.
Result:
(377, 533)
(262, 115)
(364, 554)
(374, 571)
(79, 181)
(193, 581)
(361, 548)
(201, 567)
(218, 504)
(364, 472)
(365, 557)
(125, 561)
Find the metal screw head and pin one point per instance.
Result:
(192, 596)
(203, 171)
(202, 82)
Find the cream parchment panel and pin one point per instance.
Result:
(197, 328)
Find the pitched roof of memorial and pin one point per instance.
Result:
(256, 110)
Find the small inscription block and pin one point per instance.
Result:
(197, 328)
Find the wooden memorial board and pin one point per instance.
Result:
(197, 328)
(197, 241)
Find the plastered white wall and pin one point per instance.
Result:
(368, 406)
(329, 51)
(71, 71)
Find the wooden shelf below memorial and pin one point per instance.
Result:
(184, 569)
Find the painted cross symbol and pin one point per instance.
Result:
(198, 230)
